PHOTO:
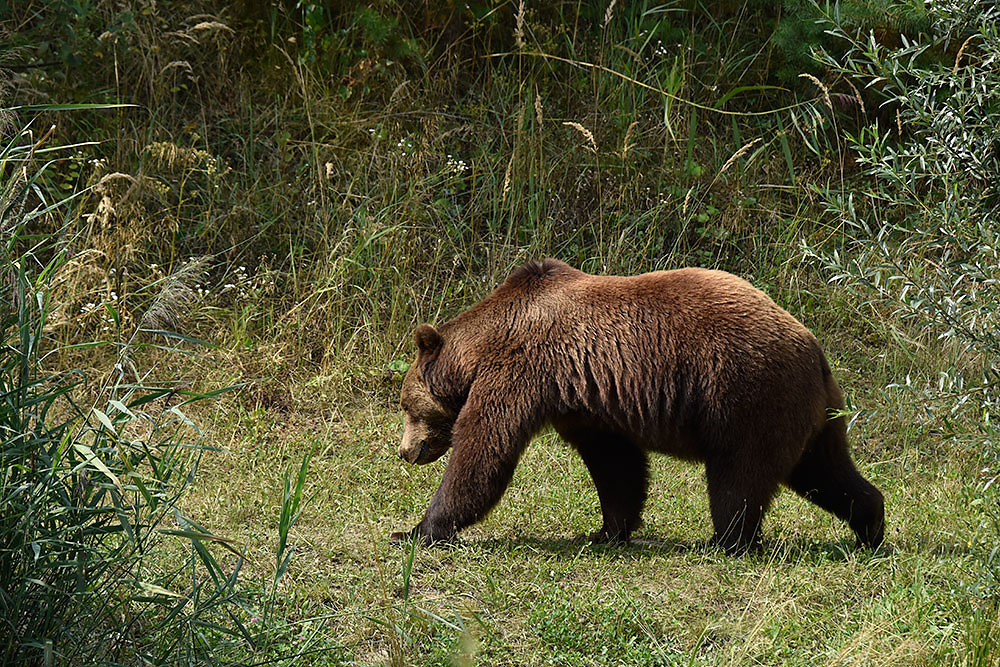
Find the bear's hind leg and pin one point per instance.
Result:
(826, 476)
(738, 499)
(620, 472)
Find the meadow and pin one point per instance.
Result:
(221, 223)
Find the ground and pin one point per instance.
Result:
(523, 588)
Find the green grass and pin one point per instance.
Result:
(523, 588)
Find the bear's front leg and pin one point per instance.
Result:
(487, 440)
(474, 481)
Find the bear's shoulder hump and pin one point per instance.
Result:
(538, 269)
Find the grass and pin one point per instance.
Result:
(523, 588)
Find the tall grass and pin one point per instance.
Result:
(94, 468)
(383, 194)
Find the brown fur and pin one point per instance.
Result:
(693, 363)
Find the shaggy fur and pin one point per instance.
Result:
(693, 363)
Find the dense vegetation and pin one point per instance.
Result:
(221, 221)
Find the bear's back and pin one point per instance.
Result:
(550, 302)
(688, 302)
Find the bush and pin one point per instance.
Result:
(923, 235)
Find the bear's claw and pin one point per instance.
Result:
(401, 536)
(424, 539)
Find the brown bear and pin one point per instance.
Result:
(694, 363)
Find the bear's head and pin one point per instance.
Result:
(428, 423)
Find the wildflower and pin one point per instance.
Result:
(457, 167)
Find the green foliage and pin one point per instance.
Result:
(93, 471)
(344, 37)
(357, 35)
(799, 29)
(922, 232)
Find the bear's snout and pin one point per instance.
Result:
(413, 455)
(413, 448)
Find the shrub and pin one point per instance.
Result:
(922, 234)
(91, 472)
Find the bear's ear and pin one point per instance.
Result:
(428, 339)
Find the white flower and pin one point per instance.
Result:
(457, 167)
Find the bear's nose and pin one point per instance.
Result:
(408, 455)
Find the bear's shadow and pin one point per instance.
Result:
(644, 547)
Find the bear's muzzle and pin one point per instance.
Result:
(413, 455)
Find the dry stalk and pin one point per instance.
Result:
(182, 64)
(626, 146)
(506, 179)
(214, 26)
(857, 96)
(588, 135)
(819, 84)
(736, 156)
(961, 52)
(115, 175)
(609, 13)
(176, 296)
(519, 26)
